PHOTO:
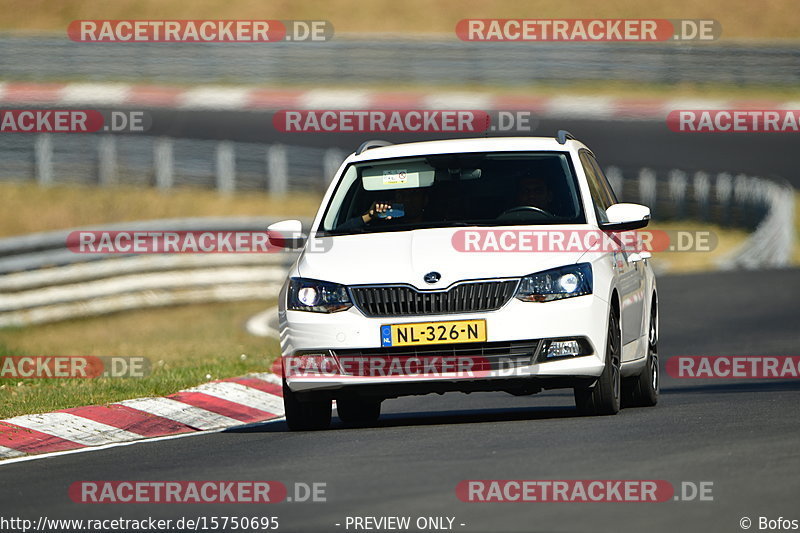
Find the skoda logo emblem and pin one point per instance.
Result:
(432, 277)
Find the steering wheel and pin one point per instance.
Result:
(528, 209)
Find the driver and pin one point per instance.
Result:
(535, 191)
(414, 202)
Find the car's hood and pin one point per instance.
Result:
(406, 256)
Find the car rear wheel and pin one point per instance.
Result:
(305, 415)
(604, 397)
(358, 412)
(642, 390)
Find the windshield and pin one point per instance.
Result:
(473, 189)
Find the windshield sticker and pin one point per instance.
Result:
(395, 177)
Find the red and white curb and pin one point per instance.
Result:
(266, 99)
(212, 406)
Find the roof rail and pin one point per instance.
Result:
(563, 135)
(374, 143)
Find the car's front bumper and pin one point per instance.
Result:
(344, 333)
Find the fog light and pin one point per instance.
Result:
(568, 348)
(310, 364)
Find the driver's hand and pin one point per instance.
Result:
(374, 209)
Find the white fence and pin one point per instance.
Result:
(165, 162)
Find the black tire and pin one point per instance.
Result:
(642, 390)
(604, 397)
(306, 415)
(358, 412)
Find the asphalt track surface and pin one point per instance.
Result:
(742, 435)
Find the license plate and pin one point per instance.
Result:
(450, 332)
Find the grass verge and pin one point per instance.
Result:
(186, 346)
(772, 19)
(727, 240)
(68, 206)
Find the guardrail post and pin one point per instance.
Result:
(107, 160)
(277, 170)
(162, 159)
(647, 188)
(723, 190)
(761, 198)
(226, 168)
(614, 175)
(677, 190)
(331, 162)
(43, 150)
(701, 185)
(786, 245)
(740, 197)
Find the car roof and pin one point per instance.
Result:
(480, 144)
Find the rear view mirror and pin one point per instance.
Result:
(286, 234)
(624, 217)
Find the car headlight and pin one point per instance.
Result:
(556, 284)
(317, 296)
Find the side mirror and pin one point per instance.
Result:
(286, 234)
(624, 217)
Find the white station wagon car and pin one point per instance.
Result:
(490, 264)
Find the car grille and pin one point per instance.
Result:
(402, 300)
(482, 356)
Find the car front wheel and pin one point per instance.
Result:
(604, 397)
(642, 390)
(305, 415)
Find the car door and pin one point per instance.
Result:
(628, 266)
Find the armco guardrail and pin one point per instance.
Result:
(763, 206)
(43, 281)
(346, 60)
(41, 250)
(165, 162)
(771, 244)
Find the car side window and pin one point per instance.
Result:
(603, 180)
(602, 195)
